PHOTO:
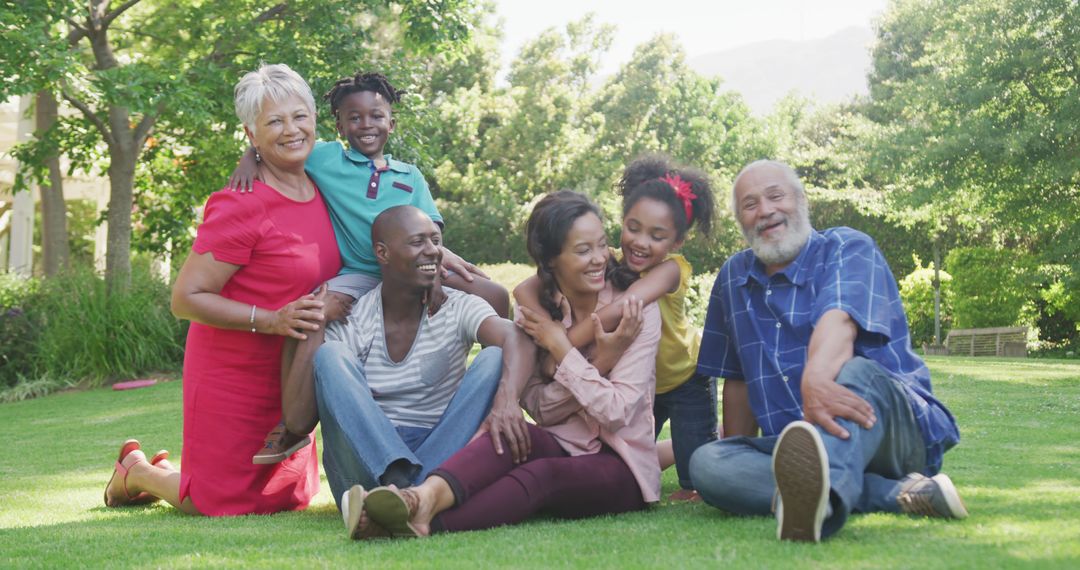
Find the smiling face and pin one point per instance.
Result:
(648, 234)
(579, 267)
(408, 248)
(365, 119)
(284, 132)
(774, 216)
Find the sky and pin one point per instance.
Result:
(703, 26)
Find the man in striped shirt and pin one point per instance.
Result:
(394, 396)
(808, 331)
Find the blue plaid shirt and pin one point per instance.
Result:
(758, 329)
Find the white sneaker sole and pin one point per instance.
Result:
(801, 468)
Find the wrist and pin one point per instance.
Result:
(559, 348)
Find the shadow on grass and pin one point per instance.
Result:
(1016, 468)
(684, 535)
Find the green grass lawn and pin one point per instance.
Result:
(1018, 469)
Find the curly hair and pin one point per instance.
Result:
(643, 178)
(374, 82)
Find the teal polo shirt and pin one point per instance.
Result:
(356, 192)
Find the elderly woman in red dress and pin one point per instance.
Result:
(246, 286)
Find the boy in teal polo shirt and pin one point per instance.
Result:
(358, 182)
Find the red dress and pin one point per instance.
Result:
(232, 387)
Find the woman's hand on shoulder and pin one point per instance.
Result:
(303, 314)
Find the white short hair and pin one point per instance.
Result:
(789, 175)
(277, 82)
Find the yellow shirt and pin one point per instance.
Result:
(676, 359)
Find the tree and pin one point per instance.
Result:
(141, 68)
(656, 103)
(980, 103)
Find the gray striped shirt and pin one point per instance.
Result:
(415, 391)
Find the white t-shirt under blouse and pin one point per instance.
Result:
(415, 391)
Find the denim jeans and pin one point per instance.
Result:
(692, 410)
(735, 474)
(359, 441)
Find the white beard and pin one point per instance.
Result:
(787, 248)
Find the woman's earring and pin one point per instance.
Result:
(258, 157)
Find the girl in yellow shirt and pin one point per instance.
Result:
(661, 202)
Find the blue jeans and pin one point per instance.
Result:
(692, 410)
(359, 441)
(735, 474)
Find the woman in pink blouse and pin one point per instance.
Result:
(593, 452)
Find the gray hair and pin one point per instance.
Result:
(277, 82)
(789, 176)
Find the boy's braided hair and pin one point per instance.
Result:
(374, 82)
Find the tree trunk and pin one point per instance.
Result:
(122, 157)
(54, 238)
(937, 294)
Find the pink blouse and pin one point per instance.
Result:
(583, 409)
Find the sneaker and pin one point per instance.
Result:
(279, 445)
(930, 497)
(801, 467)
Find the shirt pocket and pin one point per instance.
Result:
(433, 368)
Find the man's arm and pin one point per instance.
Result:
(506, 418)
(831, 345)
(738, 417)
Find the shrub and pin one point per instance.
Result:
(88, 335)
(990, 286)
(65, 330)
(17, 331)
(697, 297)
(917, 292)
(487, 231)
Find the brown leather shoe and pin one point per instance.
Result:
(279, 445)
(684, 496)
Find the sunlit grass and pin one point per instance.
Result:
(1018, 469)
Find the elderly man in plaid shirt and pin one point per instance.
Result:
(807, 329)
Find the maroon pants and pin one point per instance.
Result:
(489, 490)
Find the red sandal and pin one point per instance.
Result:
(159, 457)
(130, 455)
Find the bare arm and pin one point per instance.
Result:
(246, 172)
(738, 417)
(832, 344)
(453, 262)
(663, 279)
(482, 287)
(505, 419)
(660, 281)
(611, 401)
(196, 296)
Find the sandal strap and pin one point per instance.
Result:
(124, 470)
(412, 500)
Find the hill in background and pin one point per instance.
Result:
(829, 70)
